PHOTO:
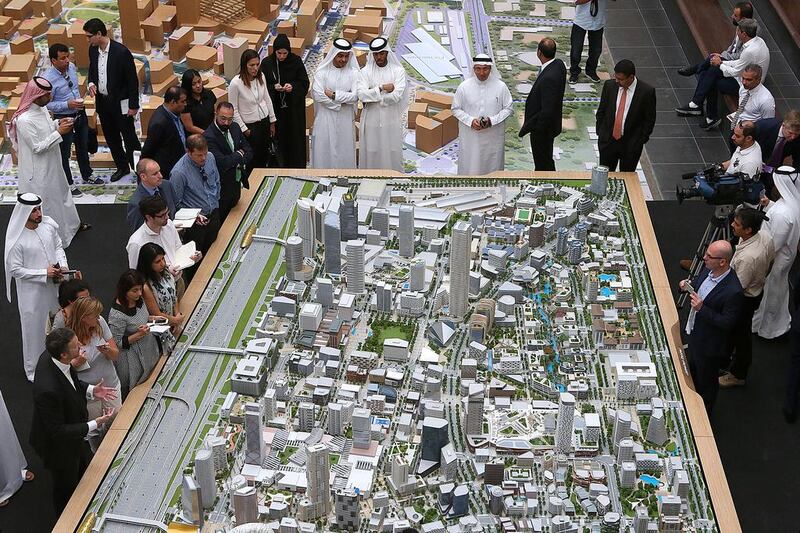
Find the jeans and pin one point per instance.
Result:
(576, 49)
(80, 136)
(710, 81)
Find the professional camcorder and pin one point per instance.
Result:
(720, 188)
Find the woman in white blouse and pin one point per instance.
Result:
(252, 107)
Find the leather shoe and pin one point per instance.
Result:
(84, 227)
(118, 174)
(573, 78)
(687, 71)
(686, 264)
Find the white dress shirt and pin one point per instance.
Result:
(747, 161)
(102, 69)
(753, 51)
(64, 368)
(761, 103)
(630, 90)
(167, 238)
(545, 65)
(705, 288)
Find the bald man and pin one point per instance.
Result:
(717, 298)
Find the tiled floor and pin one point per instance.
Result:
(652, 34)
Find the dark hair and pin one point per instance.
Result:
(749, 27)
(224, 105)
(68, 291)
(55, 49)
(95, 26)
(148, 254)
(626, 67)
(750, 218)
(151, 206)
(196, 142)
(187, 79)
(745, 9)
(57, 341)
(281, 42)
(755, 68)
(748, 128)
(247, 56)
(128, 280)
(547, 47)
(173, 94)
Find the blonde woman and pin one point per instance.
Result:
(99, 352)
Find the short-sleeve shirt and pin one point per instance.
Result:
(202, 111)
(100, 367)
(584, 18)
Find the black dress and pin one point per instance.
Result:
(290, 108)
(202, 111)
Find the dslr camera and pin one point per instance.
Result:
(718, 187)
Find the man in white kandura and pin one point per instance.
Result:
(335, 91)
(13, 465)
(482, 104)
(35, 259)
(772, 319)
(36, 138)
(383, 90)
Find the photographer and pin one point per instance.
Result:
(751, 262)
(747, 156)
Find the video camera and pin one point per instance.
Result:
(720, 188)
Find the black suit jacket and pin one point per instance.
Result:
(122, 80)
(134, 217)
(228, 159)
(163, 141)
(543, 107)
(641, 115)
(59, 415)
(767, 130)
(716, 320)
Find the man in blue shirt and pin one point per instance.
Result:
(590, 16)
(196, 184)
(67, 103)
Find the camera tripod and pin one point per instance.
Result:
(718, 228)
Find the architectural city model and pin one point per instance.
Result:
(455, 355)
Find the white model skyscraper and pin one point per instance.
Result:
(380, 221)
(293, 251)
(566, 416)
(318, 479)
(355, 266)
(204, 472)
(305, 225)
(253, 434)
(473, 423)
(459, 269)
(245, 505)
(417, 274)
(361, 428)
(405, 230)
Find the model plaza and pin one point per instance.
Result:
(442, 354)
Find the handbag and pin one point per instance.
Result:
(275, 157)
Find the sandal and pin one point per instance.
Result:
(84, 227)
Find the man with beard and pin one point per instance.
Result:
(231, 153)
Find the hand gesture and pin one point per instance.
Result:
(201, 220)
(697, 302)
(132, 112)
(53, 272)
(104, 393)
(279, 87)
(143, 329)
(272, 129)
(716, 60)
(476, 124)
(197, 256)
(329, 93)
(74, 104)
(79, 361)
(92, 90)
(176, 320)
(64, 126)
(387, 87)
(683, 283)
(287, 87)
(107, 416)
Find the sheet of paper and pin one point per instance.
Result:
(158, 329)
(186, 217)
(183, 257)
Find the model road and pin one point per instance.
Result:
(169, 442)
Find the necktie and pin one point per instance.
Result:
(156, 192)
(238, 168)
(776, 158)
(739, 111)
(617, 133)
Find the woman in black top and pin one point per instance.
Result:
(199, 111)
(288, 84)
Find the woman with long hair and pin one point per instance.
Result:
(99, 352)
(128, 321)
(199, 111)
(159, 292)
(287, 81)
(252, 107)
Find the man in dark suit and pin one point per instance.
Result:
(717, 300)
(114, 84)
(780, 143)
(543, 108)
(232, 153)
(151, 182)
(166, 136)
(60, 425)
(625, 118)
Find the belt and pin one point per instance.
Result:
(58, 116)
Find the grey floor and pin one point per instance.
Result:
(653, 34)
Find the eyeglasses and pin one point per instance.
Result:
(161, 215)
(708, 256)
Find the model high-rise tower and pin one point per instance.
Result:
(253, 434)
(473, 423)
(204, 472)
(305, 225)
(355, 266)
(293, 251)
(333, 238)
(566, 415)
(348, 217)
(405, 230)
(380, 221)
(459, 269)
(318, 479)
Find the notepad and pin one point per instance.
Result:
(183, 257)
(186, 217)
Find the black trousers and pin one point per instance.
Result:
(542, 148)
(705, 375)
(576, 49)
(67, 477)
(204, 236)
(793, 377)
(80, 136)
(622, 152)
(743, 338)
(259, 138)
(710, 81)
(116, 128)
(230, 192)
